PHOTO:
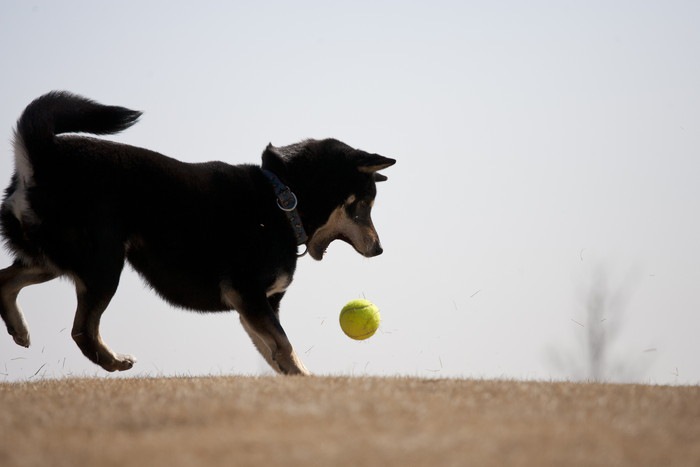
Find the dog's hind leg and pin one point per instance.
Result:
(12, 280)
(95, 290)
(261, 322)
(92, 302)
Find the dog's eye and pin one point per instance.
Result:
(362, 210)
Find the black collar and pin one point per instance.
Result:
(287, 202)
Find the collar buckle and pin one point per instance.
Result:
(286, 200)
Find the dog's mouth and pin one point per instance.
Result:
(345, 239)
(318, 246)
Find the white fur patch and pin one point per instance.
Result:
(232, 298)
(17, 201)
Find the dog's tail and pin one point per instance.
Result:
(62, 112)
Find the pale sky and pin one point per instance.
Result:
(540, 146)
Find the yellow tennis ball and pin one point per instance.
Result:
(359, 319)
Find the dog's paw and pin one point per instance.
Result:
(22, 340)
(119, 363)
(125, 362)
(290, 364)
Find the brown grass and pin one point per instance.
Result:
(345, 421)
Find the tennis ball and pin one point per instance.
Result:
(359, 319)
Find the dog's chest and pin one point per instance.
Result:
(280, 284)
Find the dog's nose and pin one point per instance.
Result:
(377, 250)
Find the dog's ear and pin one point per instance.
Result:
(272, 159)
(379, 177)
(371, 163)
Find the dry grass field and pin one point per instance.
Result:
(324, 421)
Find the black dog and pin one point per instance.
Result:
(207, 237)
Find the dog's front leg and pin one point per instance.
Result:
(261, 322)
(259, 344)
